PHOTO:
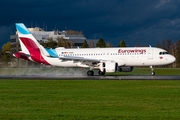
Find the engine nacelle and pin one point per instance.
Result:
(108, 66)
(125, 69)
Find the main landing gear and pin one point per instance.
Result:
(152, 70)
(101, 73)
(91, 72)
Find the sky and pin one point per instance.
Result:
(137, 22)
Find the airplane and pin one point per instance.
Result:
(105, 60)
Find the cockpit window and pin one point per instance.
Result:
(163, 53)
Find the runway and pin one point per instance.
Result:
(73, 74)
(133, 77)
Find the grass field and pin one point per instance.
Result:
(89, 99)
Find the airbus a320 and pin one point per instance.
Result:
(104, 59)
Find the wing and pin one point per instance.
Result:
(82, 60)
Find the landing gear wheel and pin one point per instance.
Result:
(90, 73)
(152, 73)
(101, 73)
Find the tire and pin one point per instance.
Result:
(90, 73)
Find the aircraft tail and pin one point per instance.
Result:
(29, 45)
(27, 40)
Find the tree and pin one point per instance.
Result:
(122, 43)
(6, 47)
(51, 43)
(63, 43)
(101, 43)
(5, 52)
(84, 45)
(177, 53)
(44, 44)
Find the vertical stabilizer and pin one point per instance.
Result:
(27, 40)
(30, 45)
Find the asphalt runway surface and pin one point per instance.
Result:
(72, 74)
(133, 77)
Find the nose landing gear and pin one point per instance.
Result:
(152, 70)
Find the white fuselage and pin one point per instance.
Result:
(126, 56)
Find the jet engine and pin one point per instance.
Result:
(108, 66)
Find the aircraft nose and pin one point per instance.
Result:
(172, 59)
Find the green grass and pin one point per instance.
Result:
(86, 99)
